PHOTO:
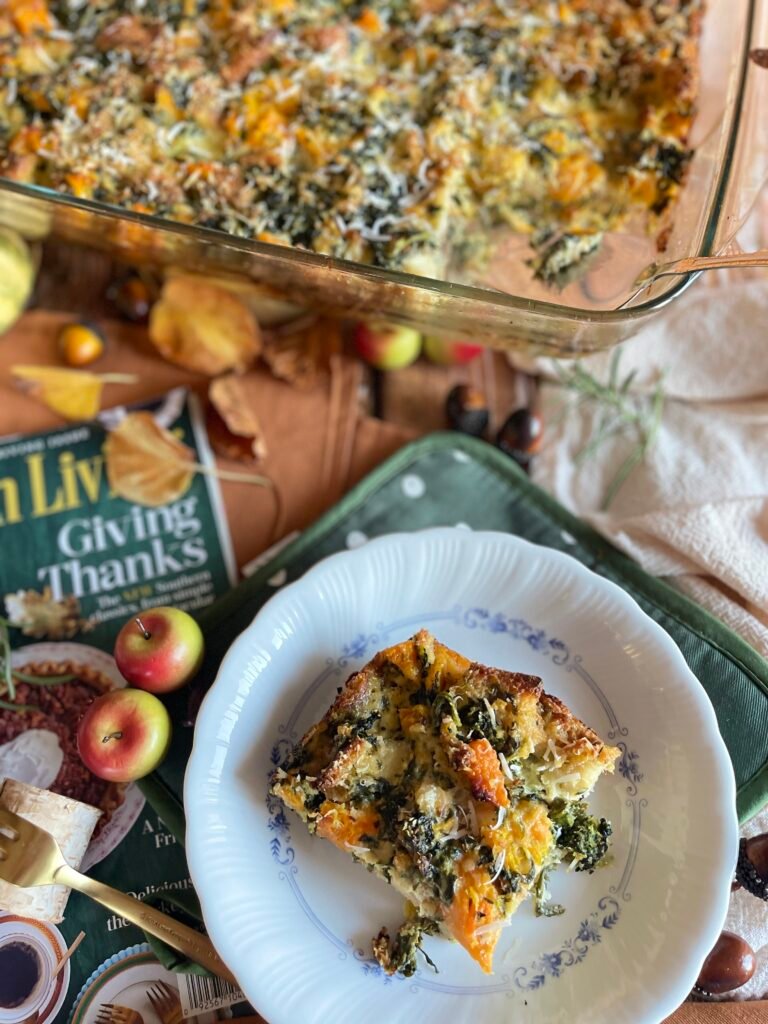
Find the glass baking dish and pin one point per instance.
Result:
(508, 309)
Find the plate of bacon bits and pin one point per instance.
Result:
(459, 776)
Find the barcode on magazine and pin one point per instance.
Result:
(201, 995)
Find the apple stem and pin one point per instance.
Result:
(112, 736)
(143, 628)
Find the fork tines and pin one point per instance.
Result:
(165, 1002)
(110, 1013)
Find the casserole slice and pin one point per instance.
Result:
(458, 784)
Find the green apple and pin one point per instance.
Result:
(387, 346)
(450, 351)
(159, 650)
(124, 735)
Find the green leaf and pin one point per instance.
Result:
(603, 433)
(634, 459)
(627, 382)
(613, 372)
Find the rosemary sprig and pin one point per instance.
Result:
(636, 456)
(5, 656)
(618, 414)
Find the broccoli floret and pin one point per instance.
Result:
(446, 706)
(399, 954)
(581, 835)
(559, 262)
(417, 836)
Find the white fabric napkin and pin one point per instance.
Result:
(695, 512)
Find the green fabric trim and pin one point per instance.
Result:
(680, 607)
(224, 620)
(753, 793)
(167, 805)
(190, 913)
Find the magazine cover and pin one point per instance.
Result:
(76, 559)
(76, 562)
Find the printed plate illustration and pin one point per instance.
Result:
(48, 943)
(124, 979)
(35, 755)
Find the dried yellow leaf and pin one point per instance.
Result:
(303, 357)
(74, 394)
(146, 463)
(233, 430)
(269, 306)
(203, 327)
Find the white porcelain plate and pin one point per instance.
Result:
(294, 917)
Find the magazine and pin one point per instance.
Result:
(72, 552)
(76, 562)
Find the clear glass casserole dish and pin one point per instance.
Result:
(507, 308)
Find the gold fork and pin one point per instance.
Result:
(30, 856)
(111, 1013)
(166, 1003)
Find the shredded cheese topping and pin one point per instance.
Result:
(395, 132)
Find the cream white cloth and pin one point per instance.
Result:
(695, 512)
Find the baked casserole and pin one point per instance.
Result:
(458, 784)
(398, 133)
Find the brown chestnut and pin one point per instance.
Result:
(520, 436)
(729, 966)
(467, 410)
(756, 849)
(752, 865)
(132, 299)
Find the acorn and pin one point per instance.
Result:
(81, 343)
(466, 410)
(132, 298)
(752, 866)
(730, 964)
(520, 436)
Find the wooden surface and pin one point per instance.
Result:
(319, 443)
(76, 280)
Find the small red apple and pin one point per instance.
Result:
(387, 346)
(449, 352)
(124, 735)
(159, 650)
